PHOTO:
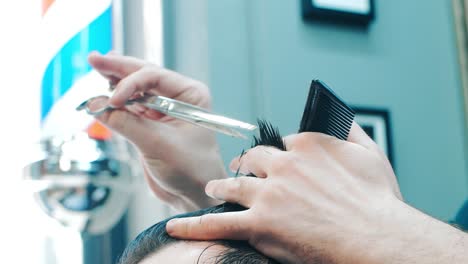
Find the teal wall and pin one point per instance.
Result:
(258, 57)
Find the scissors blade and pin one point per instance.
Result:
(183, 111)
(199, 116)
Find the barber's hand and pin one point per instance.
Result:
(320, 201)
(179, 158)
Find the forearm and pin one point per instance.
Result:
(406, 235)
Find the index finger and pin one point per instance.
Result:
(114, 66)
(255, 160)
(230, 225)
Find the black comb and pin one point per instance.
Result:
(326, 113)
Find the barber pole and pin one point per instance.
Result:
(84, 179)
(71, 29)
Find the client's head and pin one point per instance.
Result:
(154, 245)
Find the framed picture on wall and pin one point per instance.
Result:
(460, 10)
(359, 12)
(376, 123)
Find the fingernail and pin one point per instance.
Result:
(234, 165)
(209, 189)
(94, 53)
(170, 226)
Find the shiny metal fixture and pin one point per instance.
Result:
(83, 183)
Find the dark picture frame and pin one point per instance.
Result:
(376, 123)
(460, 14)
(313, 11)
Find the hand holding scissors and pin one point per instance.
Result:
(178, 157)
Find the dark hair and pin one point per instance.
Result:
(156, 237)
(236, 252)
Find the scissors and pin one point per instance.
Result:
(180, 110)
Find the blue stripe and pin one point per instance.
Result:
(71, 63)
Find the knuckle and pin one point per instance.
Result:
(228, 190)
(203, 221)
(195, 85)
(198, 224)
(256, 152)
(232, 186)
(297, 139)
(184, 228)
(149, 69)
(210, 228)
(308, 139)
(234, 227)
(259, 227)
(275, 194)
(198, 91)
(237, 187)
(153, 73)
(121, 69)
(283, 162)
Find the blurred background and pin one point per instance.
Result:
(401, 64)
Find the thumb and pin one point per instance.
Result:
(114, 65)
(136, 129)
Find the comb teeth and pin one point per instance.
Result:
(326, 113)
